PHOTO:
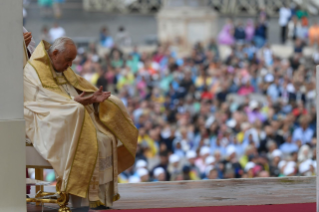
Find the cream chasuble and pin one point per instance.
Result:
(87, 146)
(104, 178)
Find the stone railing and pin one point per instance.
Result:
(224, 7)
(123, 6)
(247, 7)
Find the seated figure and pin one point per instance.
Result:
(84, 133)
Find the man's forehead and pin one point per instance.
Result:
(70, 46)
(70, 49)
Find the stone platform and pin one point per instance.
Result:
(258, 194)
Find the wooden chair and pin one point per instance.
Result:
(36, 161)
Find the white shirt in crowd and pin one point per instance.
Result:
(284, 15)
(56, 32)
(305, 136)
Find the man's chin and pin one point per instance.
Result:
(62, 70)
(59, 71)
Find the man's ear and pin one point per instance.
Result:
(55, 52)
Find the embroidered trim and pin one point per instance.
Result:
(67, 181)
(60, 80)
(114, 132)
(106, 162)
(45, 86)
(56, 88)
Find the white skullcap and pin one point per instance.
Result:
(249, 166)
(276, 153)
(305, 166)
(173, 158)
(208, 169)
(158, 171)
(204, 150)
(281, 164)
(141, 164)
(142, 172)
(191, 154)
(134, 179)
(230, 150)
(209, 160)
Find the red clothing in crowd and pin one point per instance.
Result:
(207, 95)
(298, 112)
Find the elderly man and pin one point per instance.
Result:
(84, 133)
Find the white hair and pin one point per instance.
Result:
(60, 44)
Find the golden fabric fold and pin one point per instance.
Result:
(84, 160)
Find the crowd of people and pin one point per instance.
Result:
(202, 116)
(293, 23)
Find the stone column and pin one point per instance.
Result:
(12, 129)
(190, 20)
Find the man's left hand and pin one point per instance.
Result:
(97, 97)
(27, 38)
(100, 96)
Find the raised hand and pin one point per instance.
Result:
(27, 38)
(96, 97)
(100, 96)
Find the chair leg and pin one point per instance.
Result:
(63, 200)
(38, 176)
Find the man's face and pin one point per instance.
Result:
(164, 160)
(191, 161)
(161, 177)
(145, 178)
(213, 174)
(61, 61)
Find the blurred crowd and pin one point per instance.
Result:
(202, 116)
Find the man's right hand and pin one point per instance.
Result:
(27, 38)
(97, 97)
